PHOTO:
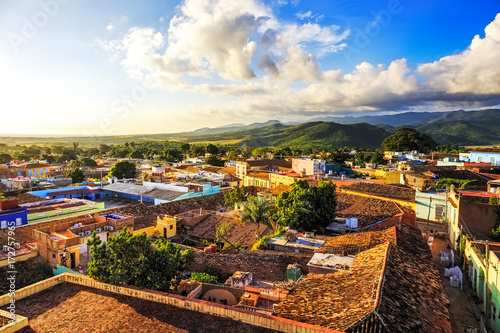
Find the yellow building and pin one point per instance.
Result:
(166, 226)
(39, 170)
(288, 179)
(260, 179)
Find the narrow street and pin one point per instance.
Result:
(463, 311)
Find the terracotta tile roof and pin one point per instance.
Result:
(339, 300)
(37, 165)
(242, 233)
(366, 210)
(72, 308)
(357, 242)
(391, 287)
(388, 191)
(228, 170)
(265, 163)
(212, 169)
(280, 189)
(264, 175)
(413, 298)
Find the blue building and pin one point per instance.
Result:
(11, 214)
(81, 192)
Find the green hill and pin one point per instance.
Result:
(466, 133)
(319, 135)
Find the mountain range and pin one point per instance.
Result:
(463, 128)
(452, 127)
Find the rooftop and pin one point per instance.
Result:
(241, 233)
(388, 191)
(331, 261)
(59, 309)
(352, 244)
(391, 287)
(366, 210)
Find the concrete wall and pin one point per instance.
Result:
(266, 265)
(478, 216)
(424, 200)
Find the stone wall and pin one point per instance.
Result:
(265, 265)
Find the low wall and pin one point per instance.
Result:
(9, 326)
(23, 257)
(245, 316)
(265, 265)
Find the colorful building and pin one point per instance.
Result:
(166, 226)
(481, 268)
(38, 170)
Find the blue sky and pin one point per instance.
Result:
(123, 67)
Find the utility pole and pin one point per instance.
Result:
(486, 281)
(429, 212)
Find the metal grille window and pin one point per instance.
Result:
(439, 212)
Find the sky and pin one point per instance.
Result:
(80, 68)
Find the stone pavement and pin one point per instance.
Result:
(463, 310)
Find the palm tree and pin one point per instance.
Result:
(257, 211)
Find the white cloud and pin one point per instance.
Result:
(240, 49)
(304, 15)
(110, 27)
(477, 69)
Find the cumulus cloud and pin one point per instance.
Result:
(477, 69)
(241, 49)
(220, 39)
(110, 27)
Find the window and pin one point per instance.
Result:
(480, 159)
(492, 160)
(53, 256)
(439, 212)
(171, 226)
(19, 221)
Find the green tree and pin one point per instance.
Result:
(406, 139)
(232, 155)
(257, 211)
(307, 208)
(377, 158)
(212, 149)
(88, 162)
(204, 278)
(5, 158)
(77, 175)
(104, 148)
(360, 159)
(213, 160)
(135, 260)
(136, 153)
(237, 194)
(123, 169)
(259, 152)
